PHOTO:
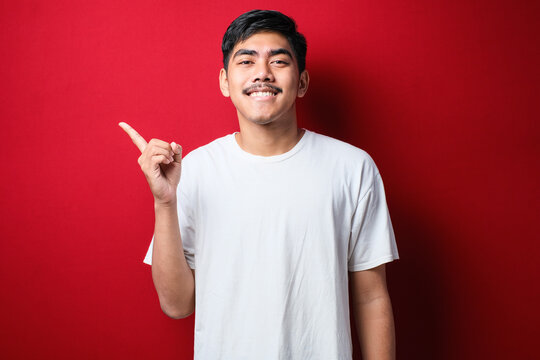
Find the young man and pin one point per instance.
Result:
(264, 228)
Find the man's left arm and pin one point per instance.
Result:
(372, 310)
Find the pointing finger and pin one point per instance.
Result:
(138, 140)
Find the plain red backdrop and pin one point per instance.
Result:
(444, 96)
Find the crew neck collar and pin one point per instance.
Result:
(273, 158)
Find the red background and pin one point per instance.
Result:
(443, 96)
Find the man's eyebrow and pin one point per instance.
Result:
(244, 52)
(280, 51)
(272, 52)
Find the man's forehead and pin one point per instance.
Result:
(266, 40)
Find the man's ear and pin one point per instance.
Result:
(303, 83)
(224, 83)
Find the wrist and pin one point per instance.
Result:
(165, 205)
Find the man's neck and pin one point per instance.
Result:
(268, 140)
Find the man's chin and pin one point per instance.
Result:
(261, 120)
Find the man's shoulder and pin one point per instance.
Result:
(216, 146)
(339, 150)
(346, 161)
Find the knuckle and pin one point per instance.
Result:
(164, 159)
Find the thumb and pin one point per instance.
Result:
(177, 149)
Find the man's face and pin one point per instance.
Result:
(262, 79)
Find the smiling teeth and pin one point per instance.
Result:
(261, 93)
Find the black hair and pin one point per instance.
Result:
(256, 21)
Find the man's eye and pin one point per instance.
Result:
(245, 62)
(280, 62)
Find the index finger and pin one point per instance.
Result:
(138, 140)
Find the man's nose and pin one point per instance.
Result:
(263, 72)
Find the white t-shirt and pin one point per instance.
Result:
(272, 240)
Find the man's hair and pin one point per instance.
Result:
(256, 21)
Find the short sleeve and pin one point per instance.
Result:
(186, 221)
(372, 241)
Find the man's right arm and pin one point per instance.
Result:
(161, 162)
(173, 278)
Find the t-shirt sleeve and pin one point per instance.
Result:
(186, 220)
(372, 240)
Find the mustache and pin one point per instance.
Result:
(261, 86)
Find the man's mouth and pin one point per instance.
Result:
(262, 91)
